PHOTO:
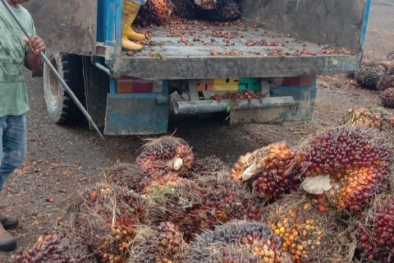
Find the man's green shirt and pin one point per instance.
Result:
(13, 91)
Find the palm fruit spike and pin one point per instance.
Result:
(106, 217)
(272, 173)
(308, 235)
(387, 98)
(370, 75)
(351, 159)
(154, 12)
(375, 232)
(165, 154)
(57, 247)
(238, 242)
(130, 11)
(207, 166)
(163, 244)
(127, 175)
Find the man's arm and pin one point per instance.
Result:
(33, 58)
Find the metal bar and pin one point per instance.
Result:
(54, 71)
(208, 106)
(101, 67)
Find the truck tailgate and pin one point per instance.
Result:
(191, 49)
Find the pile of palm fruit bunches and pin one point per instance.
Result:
(145, 13)
(327, 199)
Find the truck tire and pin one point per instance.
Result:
(60, 106)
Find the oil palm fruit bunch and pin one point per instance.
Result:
(162, 184)
(162, 244)
(127, 175)
(219, 10)
(185, 9)
(207, 166)
(347, 164)
(105, 217)
(387, 98)
(165, 154)
(58, 247)
(154, 12)
(236, 242)
(388, 79)
(375, 233)
(308, 235)
(364, 117)
(370, 75)
(269, 171)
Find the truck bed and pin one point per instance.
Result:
(195, 49)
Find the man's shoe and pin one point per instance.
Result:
(7, 242)
(9, 222)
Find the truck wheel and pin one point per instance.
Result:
(60, 107)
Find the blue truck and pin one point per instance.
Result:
(265, 72)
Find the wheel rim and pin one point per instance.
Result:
(53, 85)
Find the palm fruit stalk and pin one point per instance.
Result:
(364, 117)
(58, 247)
(165, 154)
(236, 242)
(387, 98)
(308, 235)
(127, 175)
(105, 217)
(207, 166)
(154, 12)
(375, 232)
(162, 244)
(269, 171)
(370, 75)
(348, 164)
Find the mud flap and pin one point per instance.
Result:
(136, 114)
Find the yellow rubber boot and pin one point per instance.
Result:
(130, 11)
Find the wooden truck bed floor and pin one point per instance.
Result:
(202, 50)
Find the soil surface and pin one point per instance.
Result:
(63, 159)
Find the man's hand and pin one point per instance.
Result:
(33, 58)
(36, 44)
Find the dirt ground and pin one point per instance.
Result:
(63, 159)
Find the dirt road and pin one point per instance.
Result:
(62, 159)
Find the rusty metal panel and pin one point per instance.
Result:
(67, 26)
(333, 22)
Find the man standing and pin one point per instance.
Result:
(16, 52)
